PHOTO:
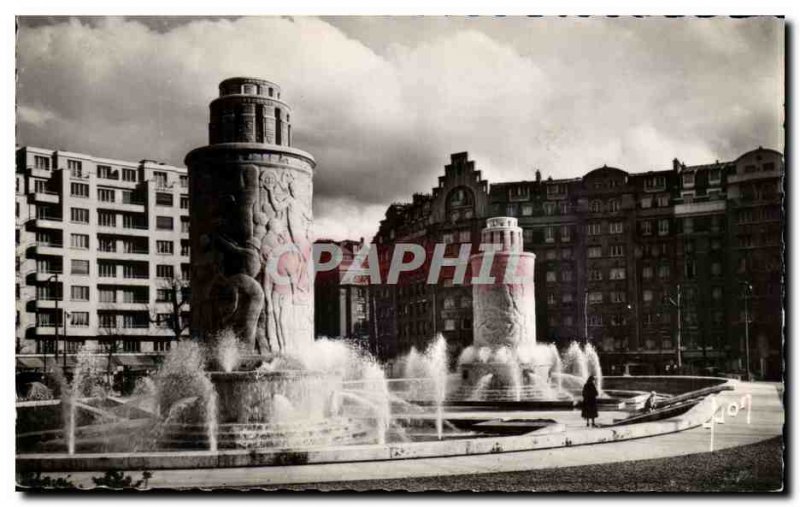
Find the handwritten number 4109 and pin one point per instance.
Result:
(719, 411)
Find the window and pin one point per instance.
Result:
(105, 194)
(79, 267)
(165, 271)
(186, 271)
(565, 233)
(79, 190)
(716, 293)
(132, 345)
(647, 272)
(40, 186)
(618, 297)
(613, 205)
(184, 202)
(106, 245)
(40, 162)
(663, 271)
(663, 227)
(133, 221)
(595, 297)
(595, 252)
(134, 271)
(164, 247)
(655, 183)
(184, 181)
(107, 295)
(164, 223)
(551, 298)
(663, 200)
(563, 207)
(647, 228)
(594, 229)
(106, 219)
(108, 320)
(161, 345)
(688, 225)
(105, 172)
(449, 325)
(80, 319)
(595, 320)
(549, 208)
(615, 228)
(596, 207)
(160, 178)
(566, 253)
(566, 276)
(75, 168)
(647, 296)
(549, 235)
(646, 202)
(163, 320)
(595, 275)
(79, 293)
(617, 274)
(617, 251)
(185, 224)
(716, 269)
(163, 199)
(79, 215)
(106, 270)
(550, 255)
(527, 210)
(527, 235)
(714, 176)
(689, 269)
(79, 241)
(129, 175)
(551, 276)
(163, 295)
(463, 237)
(688, 180)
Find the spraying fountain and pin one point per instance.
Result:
(254, 388)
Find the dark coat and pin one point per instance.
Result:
(589, 405)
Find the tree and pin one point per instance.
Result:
(174, 292)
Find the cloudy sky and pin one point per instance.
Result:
(382, 102)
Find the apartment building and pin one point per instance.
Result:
(102, 253)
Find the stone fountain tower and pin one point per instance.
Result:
(250, 224)
(504, 311)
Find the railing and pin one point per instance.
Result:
(49, 244)
(135, 276)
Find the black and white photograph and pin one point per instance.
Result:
(506, 254)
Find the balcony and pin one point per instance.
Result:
(46, 222)
(48, 197)
(130, 305)
(38, 172)
(140, 231)
(124, 255)
(137, 207)
(48, 249)
(48, 303)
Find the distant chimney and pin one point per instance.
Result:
(676, 164)
(538, 176)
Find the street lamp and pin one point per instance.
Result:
(586, 316)
(748, 292)
(54, 285)
(677, 304)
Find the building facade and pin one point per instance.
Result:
(632, 262)
(341, 305)
(102, 253)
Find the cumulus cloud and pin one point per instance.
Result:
(382, 102)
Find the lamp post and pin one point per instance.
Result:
(54, 285)
(677, 304)
(748, 291)
(586, 316)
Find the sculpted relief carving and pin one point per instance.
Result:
(263, 221)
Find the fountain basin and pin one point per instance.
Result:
(283, 396)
